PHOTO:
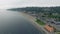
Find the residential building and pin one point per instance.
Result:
(49, 28)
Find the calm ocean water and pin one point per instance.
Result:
(15, 23)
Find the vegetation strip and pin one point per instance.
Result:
(40, 22)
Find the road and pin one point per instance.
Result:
(39, 27)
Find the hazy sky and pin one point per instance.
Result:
(23, 3)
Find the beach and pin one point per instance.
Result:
(36, 25)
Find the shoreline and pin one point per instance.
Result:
(36, 25)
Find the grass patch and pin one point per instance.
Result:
(40, 22)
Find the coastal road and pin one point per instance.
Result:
(39, 27)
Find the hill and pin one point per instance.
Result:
(38, 9)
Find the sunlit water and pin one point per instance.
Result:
(15, 23)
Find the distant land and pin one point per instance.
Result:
(38, 9)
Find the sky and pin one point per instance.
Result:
(4, 4)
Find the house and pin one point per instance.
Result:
(49, 28)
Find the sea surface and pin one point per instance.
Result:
(12, 22)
